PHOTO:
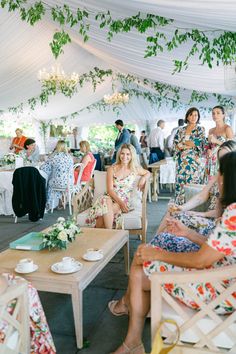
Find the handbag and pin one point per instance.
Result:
(158, 345)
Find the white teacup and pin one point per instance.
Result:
(25, 265)
(67, 263)
(93, 253)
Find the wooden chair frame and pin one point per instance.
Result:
(18, 320)
(205, 343)
(83, 200)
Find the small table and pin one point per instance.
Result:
(155, 167)
(110, 241)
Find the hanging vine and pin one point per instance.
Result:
(210, 46)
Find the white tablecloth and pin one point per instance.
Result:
(167, 172)
(7, 188)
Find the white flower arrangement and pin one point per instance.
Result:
(61, 233)
(116, 98)
(9, 159)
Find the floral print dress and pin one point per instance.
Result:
(59, 168)
(222, 239)
(41, 339)
(123, 187)
(212, 161)
(188, 161)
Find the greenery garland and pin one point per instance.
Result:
(162, 93)
(211, 46)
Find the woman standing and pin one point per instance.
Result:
(121, 180)
(188, 147)
(59, 168)
(18, 141)
(217, 135)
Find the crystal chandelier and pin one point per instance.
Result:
(116, 98)
(58, 80)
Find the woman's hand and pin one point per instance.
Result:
(141, 183)
(177, 227)
(145, 253)
(189, 144)
(123, 207)
(213, 139)
(174, 208)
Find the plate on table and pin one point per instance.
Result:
(57, 268)
(98, 258)
(35, 267)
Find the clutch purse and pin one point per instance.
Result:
(158, 346)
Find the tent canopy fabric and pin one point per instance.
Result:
(25, 50)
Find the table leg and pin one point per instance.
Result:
(126, 257)
(154, 194)
(77, 304)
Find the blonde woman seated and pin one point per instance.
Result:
(121, 179)
(218, 251)
(87, 161)
(202, 222)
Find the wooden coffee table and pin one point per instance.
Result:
(110, 241)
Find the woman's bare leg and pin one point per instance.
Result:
(139, 296)
(100, 222)
(163, 225)
(112, 209)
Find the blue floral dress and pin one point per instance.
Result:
(221, 239)
(188, 161)
(59, 168)
(123, 187)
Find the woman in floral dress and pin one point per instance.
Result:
(218, 251)
(121, 180)
(59, 169)
(217, 136)
(202, 222)
(188, 147)
(41, 339)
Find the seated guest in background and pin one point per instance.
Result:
(156, 142)
(59, 169)
(31, 150)
(121, 179)
(123, 137)
(188, 149)
(87, 161)
(18, 142)
(218, 251)
(41, 340)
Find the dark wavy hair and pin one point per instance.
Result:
(190, 111)
(229, 145)
(228, 171)
(28, 142)
(221, 108)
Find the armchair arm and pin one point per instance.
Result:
(83, 200)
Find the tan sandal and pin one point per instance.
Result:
(132, 350)
(112, 305)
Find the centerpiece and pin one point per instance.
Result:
(60, 234)
(9, 159)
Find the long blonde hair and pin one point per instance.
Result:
(133, 164)
(61, 146)
(85, 143)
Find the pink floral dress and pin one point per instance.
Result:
(212, 161)
(123, 187)
(222, 239)
(41, 338)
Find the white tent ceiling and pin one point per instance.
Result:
(25, 50)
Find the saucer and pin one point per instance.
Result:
(56, 267)
(86, 258)
(35, 267)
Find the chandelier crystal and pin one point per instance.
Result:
(116, 98)
(58, 81)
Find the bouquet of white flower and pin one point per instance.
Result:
(9, 159)
(61, 233)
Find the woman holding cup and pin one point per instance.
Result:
(188, 147)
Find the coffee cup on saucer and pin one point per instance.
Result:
(25, 265)
(93, 254)
(67, 263)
